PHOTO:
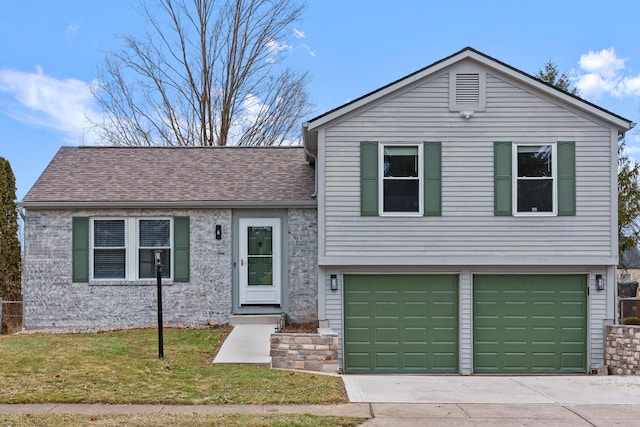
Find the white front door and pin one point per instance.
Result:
(260, 277)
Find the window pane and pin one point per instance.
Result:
(534, 161)
(108, 233)
(401, 161)
(109, 263)
(401, 195)
(147, 263)
(535, 195)
(154, 233)
(260, 240)
(260, 271)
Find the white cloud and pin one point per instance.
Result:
(275, 48)
(42, 100)
(298, 34)
(308, 49)
(70, 31)
(602, 73)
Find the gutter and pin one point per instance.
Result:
(168, 205)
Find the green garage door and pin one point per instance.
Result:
(530, 323)
(401, 324)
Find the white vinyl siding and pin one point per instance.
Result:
(468, 230)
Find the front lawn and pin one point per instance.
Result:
(123, 367)
(183, 420)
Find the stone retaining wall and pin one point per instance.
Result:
(623, 350)
(308, 352)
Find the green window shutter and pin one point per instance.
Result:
(432, 157)
(369, 178)
(502, 192)
(80, 249)
(181, 241)
(566, 178)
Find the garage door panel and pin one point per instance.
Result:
(514, 335)
(486, 335)
(444, 336)
(573, 336)
(543, 335)
(387, 336)
(445, 309)
(415, 335)
(539, 323)
(359, 309)
(386, 309)
(386, 361)
(412, 319)
(570, 360)
(358, 335)
(415, 310)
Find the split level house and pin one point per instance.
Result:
(461, 219)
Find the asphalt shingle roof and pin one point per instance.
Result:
(177, 175)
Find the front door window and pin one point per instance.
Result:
(260, 255)
(259, 261)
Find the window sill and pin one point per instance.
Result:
(401, 214)
(534, 214)
(129, 282)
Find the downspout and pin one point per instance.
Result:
(315, 184)
(305, 133)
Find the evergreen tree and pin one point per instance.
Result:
(10, 283)
(552, 75)
(628, 204)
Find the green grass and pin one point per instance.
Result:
(186, 420)
(123, 367)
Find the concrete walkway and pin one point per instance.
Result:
(247, 344)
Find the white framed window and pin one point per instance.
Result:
(401, 179)
(535, 179)
(123, 248)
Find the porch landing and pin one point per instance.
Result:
(249, 342)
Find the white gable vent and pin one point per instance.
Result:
(467, 91)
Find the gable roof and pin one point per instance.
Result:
(174, 177)
(310, 137)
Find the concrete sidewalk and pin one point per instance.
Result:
(383, 414)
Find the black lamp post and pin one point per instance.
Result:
(159, 282)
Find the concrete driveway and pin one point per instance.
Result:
(564, 390)
(564, 401)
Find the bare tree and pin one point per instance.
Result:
(206, 73)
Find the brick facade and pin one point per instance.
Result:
(303, 265)
(51, 300)
(623, 350)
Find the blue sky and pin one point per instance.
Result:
(50, 52)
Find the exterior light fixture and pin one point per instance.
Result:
(599, 282)
(218, 232)
(158, 263)
(334, 282)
